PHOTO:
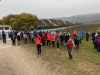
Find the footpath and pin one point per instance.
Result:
(15, 60)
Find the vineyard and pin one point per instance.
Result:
(85, 62)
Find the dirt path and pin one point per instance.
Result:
(18, 61)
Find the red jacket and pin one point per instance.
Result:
(53, 38)
(38, 40)
(43, 37)
(74, 32)
(70, 44)
(58, 34)
(48, 36)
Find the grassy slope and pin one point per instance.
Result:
(85, 62)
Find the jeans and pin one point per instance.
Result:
(53, 43)
(4, 40)
(25, 40)
(61, 42)
(69, 53)
(48, 42)
(57, 45)
(43, 42)
(14, 42)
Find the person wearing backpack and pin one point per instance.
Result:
(80, 35)
(57, 42)
(93, 38)
(32, 37)
(87, 35)
(76, 41)
(13, 38)
(97, 42)
(70, 44)
(18, 39)
(62, 39)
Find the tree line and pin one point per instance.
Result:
(21, 21)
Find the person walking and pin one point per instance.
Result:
(93, 38)
(70, 44)
(48, 38)
(57, 42)
(66, 37)
(18, 39)
(4, 37)
(61, 39)
(43, 38)
(32, 37)
(25, 37)
(97, 41)
(87, 35)
(76, 41)
(53, 38)
(21, 35)
(80, 35)
(13, 38)
(38, 43)
(0, 37)
(99, 33)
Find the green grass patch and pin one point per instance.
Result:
(85, 62)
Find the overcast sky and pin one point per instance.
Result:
(49, 8)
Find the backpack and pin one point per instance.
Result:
(77, 38)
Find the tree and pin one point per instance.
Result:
(24, 21)
(6, 19)
(0, 22)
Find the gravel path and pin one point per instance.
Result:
(15, 60)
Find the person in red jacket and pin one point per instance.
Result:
(38, 43)
(70, 44)
(48, 38)
(25, 37)
(53, 38)
(43, 38)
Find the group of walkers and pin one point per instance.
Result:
(13, 35)
(54, 38)
(95, 37)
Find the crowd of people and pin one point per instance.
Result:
(54, 38)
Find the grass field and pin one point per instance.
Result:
(85, 62)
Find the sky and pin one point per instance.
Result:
(49, 8)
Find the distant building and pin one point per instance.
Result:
(54, 22)
(41, 23)
(66, 22)
(5, 28)
(48, 22)
(61, 22)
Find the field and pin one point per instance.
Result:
(85, 62)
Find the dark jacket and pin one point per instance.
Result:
(61, 37)
(4, 36)
(18, 37)
(13, 37)
(97, 41)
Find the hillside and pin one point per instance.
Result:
(85, 19)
